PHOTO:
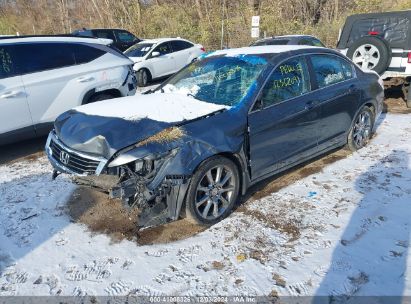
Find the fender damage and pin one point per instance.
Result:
(152, 169)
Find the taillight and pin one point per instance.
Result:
(203, 49)
(409, 57)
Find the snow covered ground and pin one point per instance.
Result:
(344, 230)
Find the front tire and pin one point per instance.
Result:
(143, 77)
(361, 130)
(213, 191)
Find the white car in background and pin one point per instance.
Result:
(157, 58)
(42, 77)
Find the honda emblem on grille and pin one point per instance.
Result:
(64, 157)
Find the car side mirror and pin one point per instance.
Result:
(155, 54)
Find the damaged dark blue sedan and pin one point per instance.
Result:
(192, 146)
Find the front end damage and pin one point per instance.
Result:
(142, 183)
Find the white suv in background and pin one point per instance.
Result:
(157, 58)
(42, 77)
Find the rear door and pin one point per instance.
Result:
(284, 129)
(15, 118)
(182, 51)
(338, 94)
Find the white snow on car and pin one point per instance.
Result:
(165, 107)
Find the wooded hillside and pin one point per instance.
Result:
(197, 20)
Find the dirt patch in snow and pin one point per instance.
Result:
(394, 99)
(289, 227)
(175, 231)
(102, 215)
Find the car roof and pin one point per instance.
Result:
(382, 14)
(15, 39)
(100, 29)
(286, 37)
(263, 49)
(159, 40)
(293, 36)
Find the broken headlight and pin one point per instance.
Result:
(142, 165)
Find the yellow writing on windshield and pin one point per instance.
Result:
(228, 73)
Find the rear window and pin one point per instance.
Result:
(179, 45)
(124, 36)
(105, 34)
(393, 29)
(84, 53)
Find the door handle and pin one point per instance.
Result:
(85, 79)
(352, 88)
(310, 104)
(11, 94)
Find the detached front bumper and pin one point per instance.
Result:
(66, 160)
(159, 203)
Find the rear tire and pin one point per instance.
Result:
(213, 191)
(143, 77)
(370, 53)
(361, 129)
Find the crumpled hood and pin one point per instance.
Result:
(103, 128)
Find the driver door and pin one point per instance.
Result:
(283, 125)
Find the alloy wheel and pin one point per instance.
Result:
(362, 129)
(215, 192)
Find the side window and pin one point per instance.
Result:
(8, 65)
(288, 80)
(305, 41)
(45, 56)
(84, 53)
(163, 48)
(106, 34)
(348, 69)
(317, 42)
(124, 36)
(329, 70)
(179, 45)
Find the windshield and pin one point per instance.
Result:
(139, 50)
(221, 80)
